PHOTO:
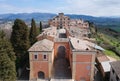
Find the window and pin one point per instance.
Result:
(45, 57)
(35, 56)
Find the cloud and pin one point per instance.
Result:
(6, 8)
(87, 7)
(93, 7)
(107, 2)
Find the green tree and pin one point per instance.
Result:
(7, 60)
(40, 27)
(33, 32)
(20, 41)
(2, 34)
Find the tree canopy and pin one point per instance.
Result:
(33, 32)
(7, 60)
(20, 40)
(40, 27)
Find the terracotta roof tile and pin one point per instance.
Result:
(43, 45)
(102, 58)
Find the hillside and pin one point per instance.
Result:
(27, 16)
(99, 21)
(107, 38)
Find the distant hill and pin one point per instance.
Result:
(27, 16)
(99, 21)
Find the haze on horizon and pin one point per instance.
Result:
(85, 7)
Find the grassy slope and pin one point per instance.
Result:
(108, 42)
(116, 29)
(111, 54)
(112, 42)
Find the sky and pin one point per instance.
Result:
(83, 7)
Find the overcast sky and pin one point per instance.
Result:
(85, 7)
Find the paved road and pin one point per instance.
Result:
(61, 69)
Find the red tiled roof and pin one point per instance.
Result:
(43, 45)
(102, 58)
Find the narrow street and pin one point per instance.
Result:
(61, 69)
(61, 65)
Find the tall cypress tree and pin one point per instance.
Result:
(7, 60)
(33, 32)
(40, 27)
(20, 41)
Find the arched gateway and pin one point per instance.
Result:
(61, 52)
(61, 64)
(41, 75)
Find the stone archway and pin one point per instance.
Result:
(61, 64)
(41, 75)
(61, 53)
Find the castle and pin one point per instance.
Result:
(65, 22)
(59, 54)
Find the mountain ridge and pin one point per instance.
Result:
(104, 21)
(30, 15)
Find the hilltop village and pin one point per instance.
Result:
(64, 52)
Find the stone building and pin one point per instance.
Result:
(103, 65)
(60, 21)
(57, 55)
(74, 26)
(80, 23)
(115, 71)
